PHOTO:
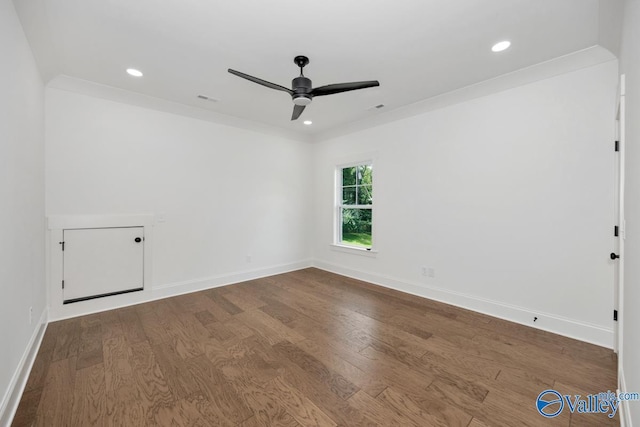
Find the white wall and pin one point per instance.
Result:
(22, 234)
(508, 197)
(225, 193)
(630, 66)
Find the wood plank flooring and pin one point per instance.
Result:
(302, 349)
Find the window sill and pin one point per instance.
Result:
(371, 253)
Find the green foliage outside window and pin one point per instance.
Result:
(356, 206)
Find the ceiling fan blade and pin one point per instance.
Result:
(260, 81)
(343, 87)
(297, 110)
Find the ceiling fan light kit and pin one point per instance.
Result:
(302, 100)
(302, 92)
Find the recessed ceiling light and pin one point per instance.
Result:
(133, 72)
(308, 122)
(499, 47)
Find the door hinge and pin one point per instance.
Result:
(62, 243)
(615, 315)
(615, 230)
(617, 146)
(63, 284)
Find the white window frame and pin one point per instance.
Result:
(338, 206)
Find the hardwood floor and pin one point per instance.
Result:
(300, 349)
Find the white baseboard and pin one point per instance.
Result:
(19, 381)
(625, 411)
(67, 311)
(179, 288)
(552, 323)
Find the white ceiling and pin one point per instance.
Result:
(417, 49)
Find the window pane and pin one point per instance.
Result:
(365, 195)
(356, 227)
(349, 196)
(364, 174)
(349, 176)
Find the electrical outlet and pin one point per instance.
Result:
(248, 258)
(428, 271)
(31, 315)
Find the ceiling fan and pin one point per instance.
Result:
(301, 90)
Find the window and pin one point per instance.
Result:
(355, 205)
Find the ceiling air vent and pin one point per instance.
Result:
(376, 107)
(207, 98)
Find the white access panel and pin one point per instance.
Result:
(102, 261)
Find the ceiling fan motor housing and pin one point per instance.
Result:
(301, 87)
